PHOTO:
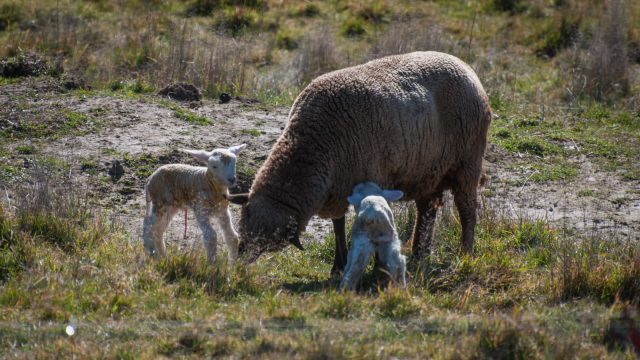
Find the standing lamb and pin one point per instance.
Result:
(416, 122)
(373, 232)
(175, 187)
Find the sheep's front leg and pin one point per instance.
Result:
(209, 235)
(340, 257)
(358, 259)
(230, 235)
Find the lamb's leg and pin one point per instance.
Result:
(209, 235)
(148, 224)
(230, 235)
(158, 227)
(358, 259)
(340, 257)
(401, 271)
(424, 229)
(393, 261)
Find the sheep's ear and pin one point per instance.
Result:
(294, 237)
(355, 199)
(236, 149)
(199, 155)
(392, 195)
(238, 199)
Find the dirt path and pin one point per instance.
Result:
(132, 127)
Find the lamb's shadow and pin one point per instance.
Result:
(372, 280)
(301, 287)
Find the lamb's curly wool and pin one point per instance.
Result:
(175, 187)
(373, 232)
(415, 122)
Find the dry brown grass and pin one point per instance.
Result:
(163, 42)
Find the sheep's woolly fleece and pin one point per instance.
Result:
(415, 122)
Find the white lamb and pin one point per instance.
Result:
(373, 231)
(176, 187)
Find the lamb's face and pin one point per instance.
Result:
(222, 164)
(374, 220)
(262, 228)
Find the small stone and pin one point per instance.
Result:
(70, 330)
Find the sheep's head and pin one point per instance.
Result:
(221, 163)
(264, 226)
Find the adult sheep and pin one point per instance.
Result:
(415, 122)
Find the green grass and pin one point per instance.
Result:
(142, 165)
(185, 114)
(586, 192)
(608, 137)
(529, 290)
(252, 132)
(26, 149)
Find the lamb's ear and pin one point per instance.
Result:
(293, 236)
(238, 199)
(355, 199)
(236, 149)
(199, 155)
(392, 195)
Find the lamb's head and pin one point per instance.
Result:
(265, 225)
(365, 189)
(221, 163)
(374, 219)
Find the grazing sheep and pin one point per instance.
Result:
(415, 122)
(373, 231)
(177, 186)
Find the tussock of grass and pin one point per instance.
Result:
(185, 114)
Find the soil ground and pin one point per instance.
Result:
(137, 126)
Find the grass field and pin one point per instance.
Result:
(530, 292)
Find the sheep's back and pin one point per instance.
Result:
(401, 121)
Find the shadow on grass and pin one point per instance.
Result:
(301, 287)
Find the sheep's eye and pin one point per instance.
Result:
(381, 234)
(214, 167)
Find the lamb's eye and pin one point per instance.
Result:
(381, 234)
(214, 167)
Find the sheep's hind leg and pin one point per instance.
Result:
(209, 235)
(466, 201)
(424, 229)
(465, 196)
(340, 257)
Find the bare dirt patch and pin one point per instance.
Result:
(142, 132)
